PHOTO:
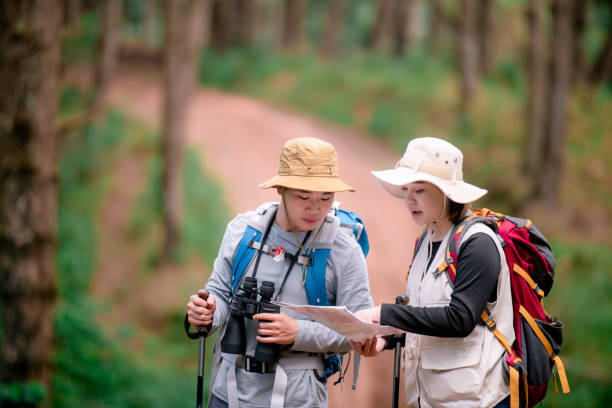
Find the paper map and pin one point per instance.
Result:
(342, 321)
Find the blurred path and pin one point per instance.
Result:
(240, 139)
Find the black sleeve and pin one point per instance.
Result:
(478, 269)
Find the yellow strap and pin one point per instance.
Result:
(486, 318)
(442, 266)
(555, 381)
(528, 224)
(562, 377)
(461, 227)
(526, 388)
(514, 388)
(536, 330)
(484, 212)
(516, 268)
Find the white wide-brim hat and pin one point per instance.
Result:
(435, 161)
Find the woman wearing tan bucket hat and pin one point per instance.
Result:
(449, 359)
(283, 244)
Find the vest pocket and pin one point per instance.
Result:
(451, 357)
(451, 367)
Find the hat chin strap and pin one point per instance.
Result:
(442, 214)
(445, 200)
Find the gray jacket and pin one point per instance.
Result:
(347, 284)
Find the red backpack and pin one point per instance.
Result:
(532, 356)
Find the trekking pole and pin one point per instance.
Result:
(201, 336)
(400, 300)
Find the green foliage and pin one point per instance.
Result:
(149, 202)
(580, 298)
(22, 395)
(82, 45)
(206, 214)
(72, 101)
(238, 66)
(80, 190)
(93, 368)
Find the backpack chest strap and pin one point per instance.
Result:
(275, 250)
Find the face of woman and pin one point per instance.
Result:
(307, 209)
(425, 201)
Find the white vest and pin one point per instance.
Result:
(456, 372)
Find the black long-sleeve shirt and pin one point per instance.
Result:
(478, 268)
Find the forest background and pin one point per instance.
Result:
(523, 86)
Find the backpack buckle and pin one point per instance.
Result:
(490, 323)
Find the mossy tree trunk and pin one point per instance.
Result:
(29, 79)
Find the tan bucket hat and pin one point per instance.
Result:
(435, 161)
(310, 164)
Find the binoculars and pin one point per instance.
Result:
(245, 304)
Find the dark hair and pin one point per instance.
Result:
(455, 211)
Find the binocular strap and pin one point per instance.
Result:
(280, 377)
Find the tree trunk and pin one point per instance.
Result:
(485, 35)
(468, 52)
(29, 79)
(203, 30)
(224, 24)
(384, 11)
(201, 25)
(579, 21)
(108, 49)
(179, 61)
(333, 29)
(293, 25)
(537, 67)
(549, 180)
(603, 65)
(247, 21)
(402, 18)
(72, 13)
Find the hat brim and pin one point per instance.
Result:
(458, 191)
(308, 183)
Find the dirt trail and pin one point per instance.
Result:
(239, 140)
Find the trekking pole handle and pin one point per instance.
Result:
(202, 332)
(400, 300)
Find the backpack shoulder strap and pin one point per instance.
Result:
(256, 223)
(456, 236)
(418, 242)
(314, 276)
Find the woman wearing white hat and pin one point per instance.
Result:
(298, 246)
(449, 359)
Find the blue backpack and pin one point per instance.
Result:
(315, 279)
